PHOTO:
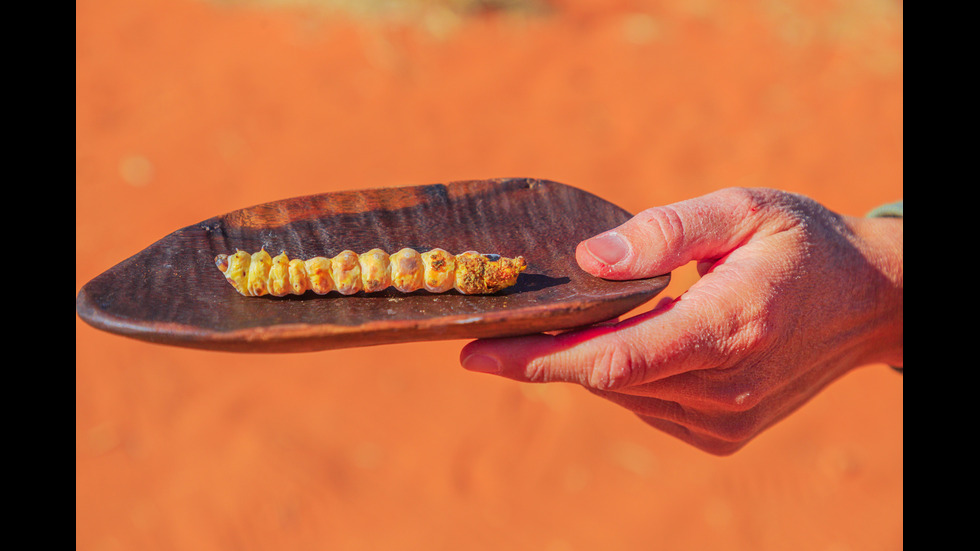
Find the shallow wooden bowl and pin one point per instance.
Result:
(172, 293)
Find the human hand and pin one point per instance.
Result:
(792, 296)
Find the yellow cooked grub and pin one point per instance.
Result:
(436, 270)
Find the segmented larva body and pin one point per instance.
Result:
(436, 271)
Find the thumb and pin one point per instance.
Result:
(661, 239)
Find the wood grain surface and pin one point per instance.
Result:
(171, 293)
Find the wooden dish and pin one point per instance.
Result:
(171, 293)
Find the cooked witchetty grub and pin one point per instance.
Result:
(437, 271)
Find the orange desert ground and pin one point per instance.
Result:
(186, 109)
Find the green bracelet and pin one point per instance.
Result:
(891, 210)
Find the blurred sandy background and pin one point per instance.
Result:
(191, 108)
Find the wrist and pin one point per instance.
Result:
(881, 242)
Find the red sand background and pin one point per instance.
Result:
(188, 108)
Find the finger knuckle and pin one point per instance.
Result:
(667, 221)
(738, 427)
(751, 337)
(696, 437)
(733, 400)
(720, 448)
(730, 391)
(536, 370)
(615, 367)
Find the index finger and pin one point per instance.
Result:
(671, 339)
